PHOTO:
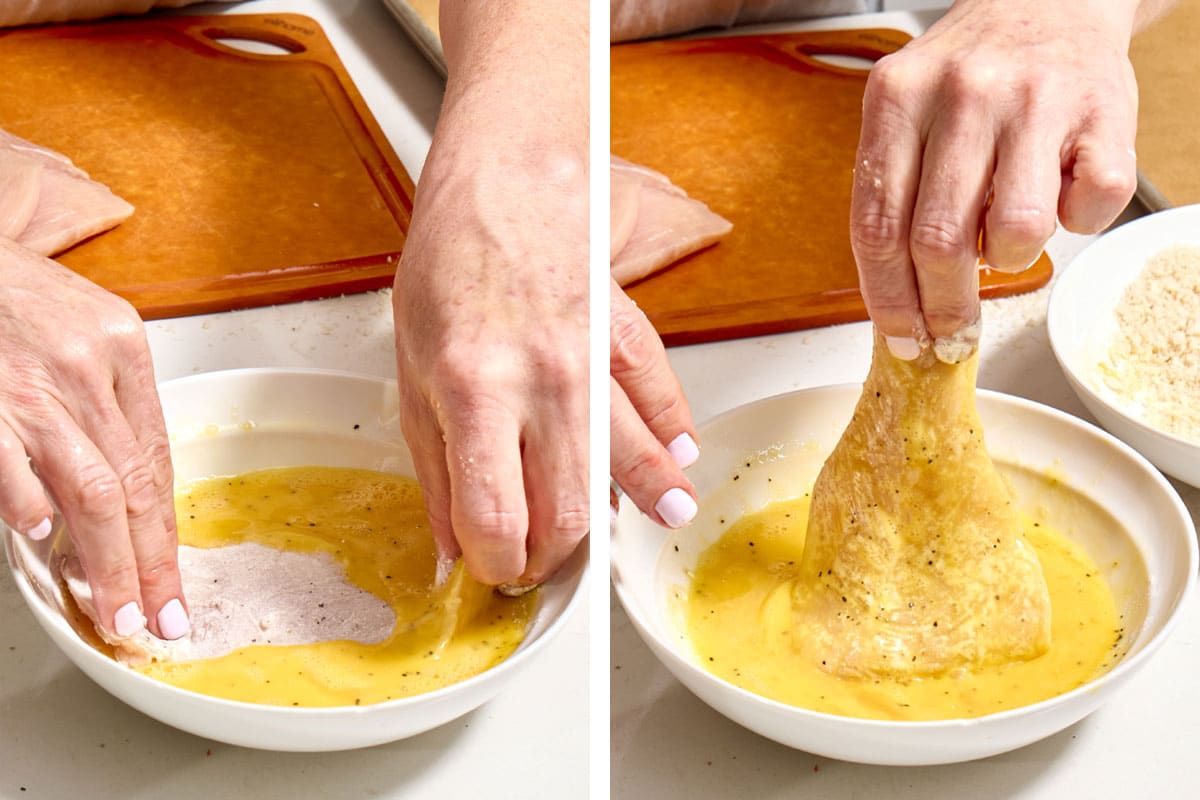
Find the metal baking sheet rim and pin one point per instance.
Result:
(424, 37)
(1151, 197)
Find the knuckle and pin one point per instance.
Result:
(639, 472)
(1020, 232)
(668, 407)
(892, 77)
(631, 348)
(564, 369)
(460, 373)
(97, 491)
(1116, 185)
(158, 569)
(494, 529)
(120, 315)
(972, 83)
(140, 489)
(1024, 225)
(112, 573)
(937, 244)
(877, 236)
(158, 454)
(571, 524)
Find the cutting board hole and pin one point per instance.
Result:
(278, 46)
(843, 61)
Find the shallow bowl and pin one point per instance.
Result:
(1082, 323)
(1147, 542)
(225, 423)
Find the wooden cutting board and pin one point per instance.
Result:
(257, 178)
(1168, 74)
(765, 134)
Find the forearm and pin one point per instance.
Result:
(1126, 17)
(518, 78)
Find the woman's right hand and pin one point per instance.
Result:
(79, 410)
(653, 439)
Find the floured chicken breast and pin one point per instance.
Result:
(915, 563)
(653, 222)
(246, 594)
(48, 204)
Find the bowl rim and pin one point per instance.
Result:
(45, 616)
(1057, 303)
(1125, 667)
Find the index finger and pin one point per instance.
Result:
(887, 172)
(155, 535)
(88, 492)
(638, 363)
(487, 490)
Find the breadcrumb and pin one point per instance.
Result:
(1153, 363)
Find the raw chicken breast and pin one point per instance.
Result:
(20, 186)
(47, 204)
(32, 12)
(915, 562)
(247, 594)
(654, 222)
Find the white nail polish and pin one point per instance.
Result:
(683, 450)
(128, 620)
(904, 348)
(676, 507)
(41, 530)
(173, 621)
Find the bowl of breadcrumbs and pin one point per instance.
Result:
(1124, 323)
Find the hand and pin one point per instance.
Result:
(1003, 114)
(491, 339)
(79, 410)
(652, 436)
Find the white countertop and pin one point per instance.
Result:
(668, 744)
(61, 736)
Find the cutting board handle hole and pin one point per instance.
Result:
(857, 61)
(257, 43)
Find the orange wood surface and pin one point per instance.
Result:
(765, 134)
(257, 179)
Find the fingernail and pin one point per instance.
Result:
(960, 345)
(684, 450)
(676, 507)
(41, 530)
(128, 620)
(516, 589)
(173, 621)
(445, 565)
(903, 347)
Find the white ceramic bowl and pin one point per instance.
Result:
(240, 420)
(1081, 323)
(787, 437)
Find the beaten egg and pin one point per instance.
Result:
(740, 616)
(372, 524)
